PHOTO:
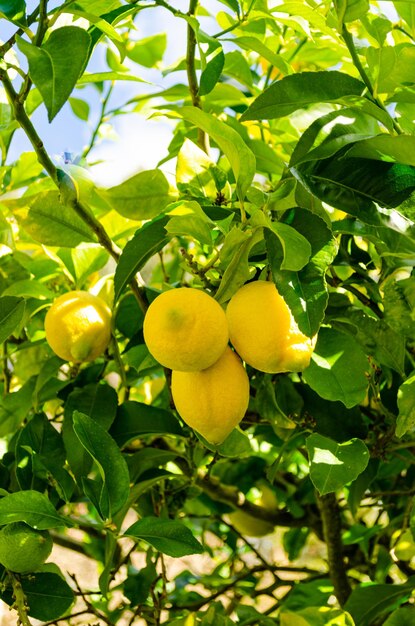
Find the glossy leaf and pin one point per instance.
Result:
(12, 310)
(47, 594)
(148, 240)
(370, 601)
(109, 460)
(136, 418)
(52, 69)
(338, 368)
(300, 90)
(406, 405)
(333, 465)
(14, 10)
(168, 536)
(230, 142)
(31, 507)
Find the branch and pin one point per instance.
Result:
(20, 603)
(104, 103)
(332, 529)
(191, 73)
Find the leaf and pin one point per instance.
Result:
(304, 291)
(148, 51)
(12, 310)
(296, 249)
(404, 616)
(238, 271)
(14, 10)
(300, 90)
(406, 405)
(109, 460)
(168, 536)
(136, 418)
(141, 197)
(147, 241)
(102, 77)
(350, 10)
(31, 507)
(354, 184)
(53, 224)
(48, 595)
(56, 66)
(370, 601)
(390, 148)
(256, 45)
(338, 368)
(333, 465)
(230, 142)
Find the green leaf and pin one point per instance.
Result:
(238, 271)
(406, 406)
(304, 291)
(53, 224)
(168, 536)
(147, 241)
(135, 419)
(338, 368)
(148, 51)
(333, 465)
(31, 507)
(12, 310)
(256, 45)
(14, 10)
(404, 616)
(109, 460)
(316, 616)
(102, 77)
(47, 594)
(390, 148)
(56, 66)
(300, 90)
(230, 142)
(296, 249)
(370, 601)
(350, 10)
(15, 406)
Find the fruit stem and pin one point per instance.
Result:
(20, 603)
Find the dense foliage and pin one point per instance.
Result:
(294, 156)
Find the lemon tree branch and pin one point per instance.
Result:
(20, 603)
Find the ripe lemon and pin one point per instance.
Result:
(185, 329)
(263, 331)
(22, 548)
(213, 401)
(78, 326)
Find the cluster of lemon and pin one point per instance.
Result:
(187, 331)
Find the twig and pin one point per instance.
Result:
(104, 103)
(191, 73)
(20, 603)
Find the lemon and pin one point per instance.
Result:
(22, 548)
(264, 332)
(248, 525)
(185, 329)
(78, 326)
(213, 401)
(404, 548)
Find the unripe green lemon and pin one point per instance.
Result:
(185, 329)
(78, 326)
(214, 400)
(22, 548)
(264, 332)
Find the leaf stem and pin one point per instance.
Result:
(104, 103)
(348, 39)
(191, 73)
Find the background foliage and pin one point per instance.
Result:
(294, 154)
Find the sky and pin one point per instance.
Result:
(140, 143)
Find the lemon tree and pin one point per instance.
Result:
(207, 302)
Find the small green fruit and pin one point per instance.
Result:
(22, 548)
(404, 549)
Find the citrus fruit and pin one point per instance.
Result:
(248, 525)
(214, 400)
(185, 329)
(78, 326)
(404, 549)
(264, 332)
(22, 548)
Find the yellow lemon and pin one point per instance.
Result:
(214, 400)
(22, 548)
(404, 548)
(185, 329)
(264, 332)
(78, 326)
(248, 525)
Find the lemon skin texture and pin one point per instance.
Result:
(263, 331)
(78, 326)
(185, 329)
(248, 525)
(213, 401)
(22, 548)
